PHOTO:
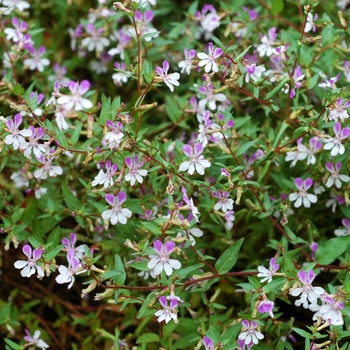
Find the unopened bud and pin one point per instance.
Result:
(89, 289)
(106, 294)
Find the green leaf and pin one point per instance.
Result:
(229, 257)
(274, 286)
(76, 133)
(148, 338)
(71, 201)
(53, 253)
(306, 54)
(12, 345)
(328, 35)
(155, 229)
(218, 43)
(173, 110)
(303, 333)
(18, 90)
(244, 148)
(330, 250)
(277, 7)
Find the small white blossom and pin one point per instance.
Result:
(30, 266)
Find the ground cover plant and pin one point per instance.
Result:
(174, 174)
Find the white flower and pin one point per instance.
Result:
(29, 267)
(329, 311)
(95, 41)
(36, 62)
(253, 72)
(209, 60)
(169, 79)
(135, 173)
(267, 274)
(16, 138)
(335, 143)
(47, 169)
(335, 177)
(224, 202)
(302, 197)
(76, 101)
(161, 262)
(308, 293)
(106, 179)
(34, 340)
(250, 335)
(196, 162)
(265, 48)
(310, 22)
(344, 231)
(186, 65)
(117, 213)
(167, 313)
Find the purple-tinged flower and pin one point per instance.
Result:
(208, 130)
(302, 197)
(95, 41)
(266, 306)
(344, 231)
(135, 172)
(117, 213)
(347, 70)
(33, 145)
(210, 60)
(186, 65)
(147, 32)
(30, 266)
(281, 51)
(123, 40)
(330, 83)
(16, 139)
(35, 340)
(208, 343)
(167, 313)
(313, 247)
(339, 112)
(199, 108)
(210, 98)
(304, 152)
(208, 19)
(334, 201)
(76, 101)
(265, 48)
(36, 61)
(190, 205)
(253, 72)
(230, 218)
(310, 22)
(250, 334)
(47, 169)
(161, 261)
(224, 203)
(16, 33)
(329, 311)
(298, 77)
(106, 178)
(196, 162)
(335, 143)
(113, 138)
(122, 75)
(60, 74)
(169, 79)
(75, 34)
(66, 274)
(73, 253)
(10, 5)
(224, 172)
(268, 273)
(335, 178)
(308, 293)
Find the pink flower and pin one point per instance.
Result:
(186, 65)
(30, 266)
(253, 72)
(106, 179)
(266, 306)
(335, 143)
(161, 261)
(265, 48)
(267, 274)
(224, 203)
(335, 177)
(339, 112)
(36, 62)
